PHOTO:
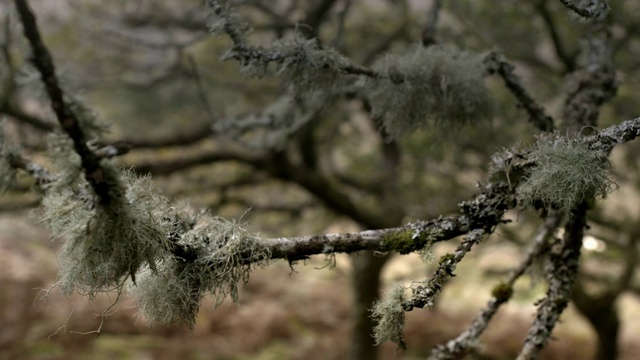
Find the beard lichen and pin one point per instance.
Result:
(389, 316)
(566, 172)
(105, 243)
(437, 86)
(219, 255)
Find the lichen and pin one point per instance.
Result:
(389, 315)
(221, 255)
(104, 243)
(566, 172)
(436, 87)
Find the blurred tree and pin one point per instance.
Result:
(342, 88)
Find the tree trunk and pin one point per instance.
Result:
(602, 314)
(365, 285)
(607, 327)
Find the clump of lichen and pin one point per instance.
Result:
(218, 256)
(308, 67)
(389, 316)
(437, 86)
(105, 243)
(65, 160)
(566, 172)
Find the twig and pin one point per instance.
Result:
(501, 294)
(429, 30)
(497, 63)
(561, 273)
(595, 8)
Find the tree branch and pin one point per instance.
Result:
(561, 273)
(497, 63)
(501, 294)
(93, 170)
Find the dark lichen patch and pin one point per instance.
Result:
(502, 292)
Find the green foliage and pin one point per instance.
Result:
(566, 173)
(389, 315)
(105, 243)
(436, 86)
(219, 258)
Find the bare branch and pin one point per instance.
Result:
(501, 294)
(594, 9)
(497, 63)
(561, 273)
(93, 170)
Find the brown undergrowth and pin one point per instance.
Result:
(281, 314)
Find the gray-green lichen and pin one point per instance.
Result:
(389, 316)
(438, 86)
(219, 256)
(105, 243)
(566, 172)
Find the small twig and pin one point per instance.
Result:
(201, 90)
(424, 295)
(497, 63)
(595, 8)
(429, 29)
(501, 294)
(561, 273)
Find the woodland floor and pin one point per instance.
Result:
(281, 314)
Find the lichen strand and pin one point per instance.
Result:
(221, 256)
(389, 316)
(105, 243)
(566, 173)
(435, 87)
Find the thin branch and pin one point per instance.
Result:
(569, 60)
(196, 133)
(93, 170)
(501, 294)
(561, 273)
(429, 30)
(497, 63)
(202, 93)
(594, 9)
(424, 295)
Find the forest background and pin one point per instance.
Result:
(203, 130)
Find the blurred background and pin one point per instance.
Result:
(152, 71)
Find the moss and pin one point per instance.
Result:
(445, 258)
(502, 292)
(401, 241)
(409, 240)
